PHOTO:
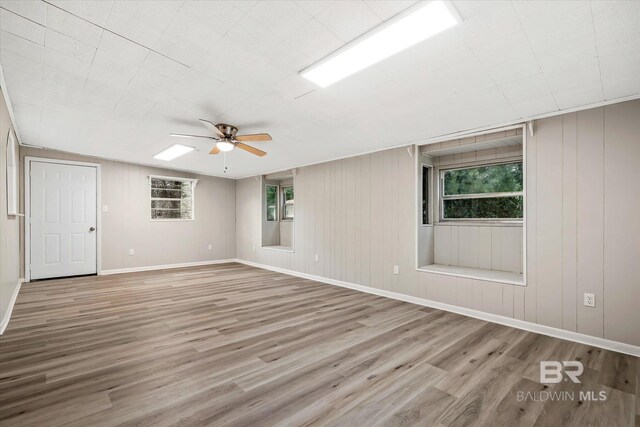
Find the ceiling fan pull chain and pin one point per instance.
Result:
(224, 156)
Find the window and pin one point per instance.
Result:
(488, 192)
(172, 198)
(425, 194)
(271, 197)
(287, 202)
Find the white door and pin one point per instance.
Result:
(63, 220)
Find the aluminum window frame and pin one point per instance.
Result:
(286, 203)
(442, 197)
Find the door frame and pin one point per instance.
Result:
(27, 209)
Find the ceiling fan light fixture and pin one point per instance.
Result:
(401, 32)
(175, 151)
(225, 145)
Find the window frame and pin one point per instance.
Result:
(276, 217)
(442, 197)
(192, 181)
(286, 202)
(426, 170)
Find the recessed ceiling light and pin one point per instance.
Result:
(412, 26)
(173, 152)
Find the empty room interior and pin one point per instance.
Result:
(336, 213)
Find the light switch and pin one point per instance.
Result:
(105, 208)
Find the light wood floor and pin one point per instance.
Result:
(231, 344)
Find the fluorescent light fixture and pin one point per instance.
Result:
(173, 152)
(410, 27)
(224, 146)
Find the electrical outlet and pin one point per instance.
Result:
(105, 208)
(317, 258)
(210, 246)
(396, 269)
(130, 251)
(589, 300)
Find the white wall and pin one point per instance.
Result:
(9, 225)
(127, 224)
(583, 205)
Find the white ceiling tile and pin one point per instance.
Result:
(114, 73)
(620, 87)
(288, 58)
(181, 49)
(224, 60)
(96, 12)
(512, 69)
(348, 19)
(489, 69)
(615, 14)
(469, 8)
(68, 54)
(20, 46)
(503, 49)
(72, 26)
(194, 85)
(142, 21)
(21, 27)
(314, 7)
(252, 37)
(583, 95)
(119, 49)
(528, 107)
(100, 98)
(386, 9)
(26, 70)
(34, 10)
(315, 41)
(530, 87)
(195, 17)
(279, 16)
(495, 22)
(132, 107)
(258, 76)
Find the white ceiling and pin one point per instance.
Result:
(113, 79)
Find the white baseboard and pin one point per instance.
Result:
(5, 319)
(507, 321)
(165, 266)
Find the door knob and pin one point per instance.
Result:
(92, 229)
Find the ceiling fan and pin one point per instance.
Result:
(226, 138)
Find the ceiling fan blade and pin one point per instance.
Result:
(250, 149)
(214, 150)
(184, 135)
(255, 137)
(212, 128)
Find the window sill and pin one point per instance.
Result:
(279, 248)
(482, 223)
(504, 277)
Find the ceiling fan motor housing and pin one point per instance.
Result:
(228, 130)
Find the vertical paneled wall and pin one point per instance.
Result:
(127, 224)
(583, 235)
(9, 224)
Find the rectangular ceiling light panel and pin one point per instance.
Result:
(173, 152)
(399, 33)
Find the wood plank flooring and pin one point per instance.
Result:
(237, 345)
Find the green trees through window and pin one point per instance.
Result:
(271, 198)
(483, 192)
